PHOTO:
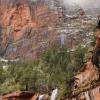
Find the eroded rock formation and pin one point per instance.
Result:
(85, 77)
(86, 84)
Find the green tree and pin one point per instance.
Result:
(79, 56)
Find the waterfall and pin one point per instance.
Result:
(54, 94)
(40, 97)
(86, 94)
(62, 39)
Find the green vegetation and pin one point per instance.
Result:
(55, 68)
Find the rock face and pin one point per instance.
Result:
(25, 96)
(93, 94)
(86, 84)
(89, 74)
(19, 96)
(26, 28)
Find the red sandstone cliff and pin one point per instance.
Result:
(26, 28)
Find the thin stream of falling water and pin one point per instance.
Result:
(62, 39)
(54, 94)
(40, 97)
(86, 95)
